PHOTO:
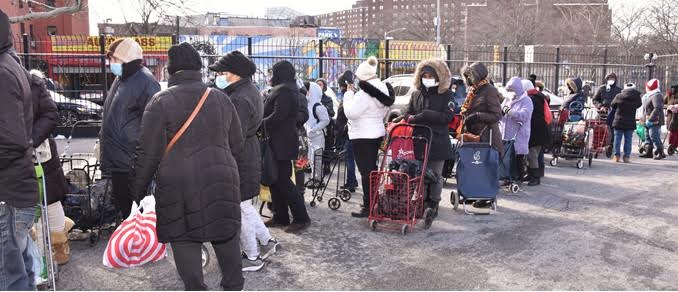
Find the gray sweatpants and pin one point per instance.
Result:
(533, 157)
(436, 188)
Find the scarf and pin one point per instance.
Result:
(467, 103)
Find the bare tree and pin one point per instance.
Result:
(662, 24)
(47, 11)
(153, 13)
(589, 26)
(508, 23)
(627, 30)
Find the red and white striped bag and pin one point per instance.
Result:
(135, 241)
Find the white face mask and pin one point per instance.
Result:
(511, 95)
(611, 82)
(429, 82)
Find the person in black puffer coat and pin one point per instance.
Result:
(429, 106)
(198, 180)
(130, 92)
(539, 133)
(281, 109)
(625, 104)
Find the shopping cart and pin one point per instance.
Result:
(321, 179)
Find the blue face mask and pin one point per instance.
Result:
(221, 82)
(116, 69)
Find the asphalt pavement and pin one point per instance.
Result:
(613, 226)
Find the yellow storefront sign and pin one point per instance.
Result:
(78, 44)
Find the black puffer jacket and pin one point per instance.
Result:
(430, 107)
(250, 109)
(626, 103)
(280, 113)
(198, 182)
(123, 109)
(605, 95)
(19, 187)
(45, 119)
(539, 131)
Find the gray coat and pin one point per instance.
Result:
(653, 108)
(198, 182)
(123, 109)
(250, 108)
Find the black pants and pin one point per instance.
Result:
(285, 195)
(366, 152)
(122, 197)
(187, 258)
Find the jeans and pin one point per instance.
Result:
(628, 142)
(188, 261)
(654, 137)
(351, 180)
(16, 263)
(533, 157)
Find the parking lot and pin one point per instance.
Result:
(610, 227)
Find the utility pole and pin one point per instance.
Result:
(437, 22)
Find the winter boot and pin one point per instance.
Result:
(627, 160)
(659, 154)
(363, 213)
(671, 150)
(648, 151)
(60, 247)
(535, 181)
(615, 158)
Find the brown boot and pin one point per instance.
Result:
(60, 247)
(615, 158)
(627, 160)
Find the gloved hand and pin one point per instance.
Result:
(506, 110)
(649, 124)
(410, 119)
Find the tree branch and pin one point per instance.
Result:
(74, 7)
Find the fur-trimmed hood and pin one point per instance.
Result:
(475, 73)
(386, 99)
(442, 71)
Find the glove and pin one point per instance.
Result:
(410, 119)
(505, 110)
(649, 124)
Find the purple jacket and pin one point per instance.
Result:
(520, 112)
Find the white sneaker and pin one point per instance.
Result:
(269, 249)
(252, 265)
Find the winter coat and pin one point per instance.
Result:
(653, 107)
(329, 105)
(671, 117)
(516, 122)
(17, 174)
(250, 109)
(317, 112)
(45, 119)
(539, 130)
(198, 181)
(121, 122)
(576, 95)
(605, 94)
(367, 108)
(430, 107)
(626, 103)
(281, 109)
(484, 112)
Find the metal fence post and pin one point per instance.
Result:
(102, 52)
(449, 57)
(175, 39)
(556, 80)
(321, 54)
(26, 51)
(605, 62)
(504, 67)
(249, 47)
(387, 53)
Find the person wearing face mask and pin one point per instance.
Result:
(133, 87)
(517, 109)
(429, 106)
(234, 77)
(602, 100)
(315, 128)
(539, 132)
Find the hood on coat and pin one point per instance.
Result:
(6, 41)
(315, 94)
(283, 72)
(527, 85)
(574, 84)
(515, 85)
(475, 73)
(612, 75)
(442, 71)
(385, 98)
(630, 94)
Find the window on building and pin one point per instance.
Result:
(51, 30)
(51, 2)
(22, 28)
(381, 7)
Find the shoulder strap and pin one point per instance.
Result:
(188, 122)
(315, 115)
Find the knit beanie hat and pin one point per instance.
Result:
(367, 70)
(125, 49)
(652, 85)
(236, 63)
(430, 70)
(183, 57)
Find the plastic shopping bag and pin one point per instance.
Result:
(135, 241)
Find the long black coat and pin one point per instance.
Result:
(671, 118)
(430, 108)
(539, 131)
(45, 119)
(198, 182)
(250, 108)
(626, 103)
(280, 119)
(18, 184)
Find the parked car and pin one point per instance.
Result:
(72, 110)
(403, 85)
(556, 101)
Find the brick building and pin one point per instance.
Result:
(63, 24)
(477, 22)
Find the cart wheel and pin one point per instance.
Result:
(580, 164)
(334, 203)
(312, 204)
(590, 160)
(205, 256)
(454, 199)
(319, 198)
(345, 195)
(671, 150)
(428, 218)
(405, 229)
(93, 238)
(641, 149)
(373, 225)
(515, 188)
(608, 151)
(554, 162)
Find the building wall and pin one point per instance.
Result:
(65, 24)
(258, 31)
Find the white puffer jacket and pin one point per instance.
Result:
(366, 110)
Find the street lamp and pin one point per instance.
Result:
(386, 37)
(650, 58)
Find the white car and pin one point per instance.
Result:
(403, 87)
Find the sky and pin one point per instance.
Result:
(100, 10)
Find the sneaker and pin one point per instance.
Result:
(269, 249)
(251, 265)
